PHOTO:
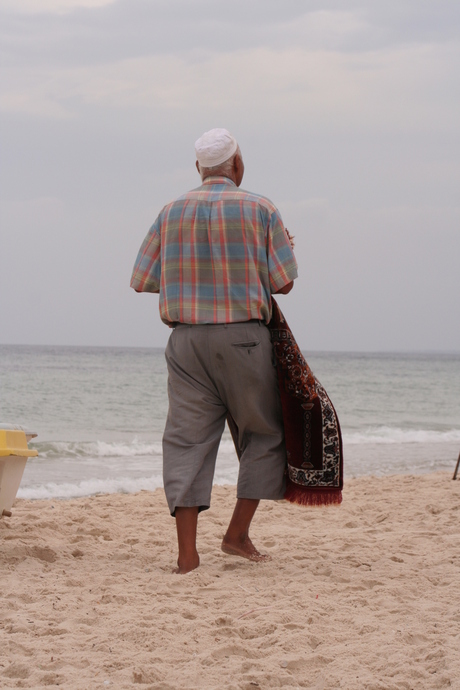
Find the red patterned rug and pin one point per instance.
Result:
(311, 426)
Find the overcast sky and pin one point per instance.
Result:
(348, 118)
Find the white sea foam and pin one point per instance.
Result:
(96, 449)
(386, 435)
(126, 485)
(90, 487)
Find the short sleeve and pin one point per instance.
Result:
(147, 268)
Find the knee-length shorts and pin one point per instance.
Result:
(215, 369)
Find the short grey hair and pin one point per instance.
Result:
(222, 170)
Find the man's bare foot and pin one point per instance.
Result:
(244, 548)
(185, 567)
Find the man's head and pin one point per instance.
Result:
(218, 153)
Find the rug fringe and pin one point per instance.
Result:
(309, 496)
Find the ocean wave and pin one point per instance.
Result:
(386, 435)
(90, 487)
(96, 449)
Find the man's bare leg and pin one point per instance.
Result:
(237, 542)
(186, 525)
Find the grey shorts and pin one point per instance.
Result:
(214, 369)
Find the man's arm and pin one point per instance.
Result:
(282, 265)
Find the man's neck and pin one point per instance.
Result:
(218, 179)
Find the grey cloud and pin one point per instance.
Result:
(136, 28)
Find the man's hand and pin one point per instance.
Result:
(291, 238)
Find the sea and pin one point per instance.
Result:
(99, 414)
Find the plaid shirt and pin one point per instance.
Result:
(215, 255)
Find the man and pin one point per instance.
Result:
(215, 255)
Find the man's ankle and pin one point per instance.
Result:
(236, 537)
(187, 564)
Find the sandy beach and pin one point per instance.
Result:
(365, 595)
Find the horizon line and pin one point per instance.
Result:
(430, 351)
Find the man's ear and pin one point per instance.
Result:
(238, 169)
(198, 167)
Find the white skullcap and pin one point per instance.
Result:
(215, 147)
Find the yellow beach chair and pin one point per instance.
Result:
(14, 452)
